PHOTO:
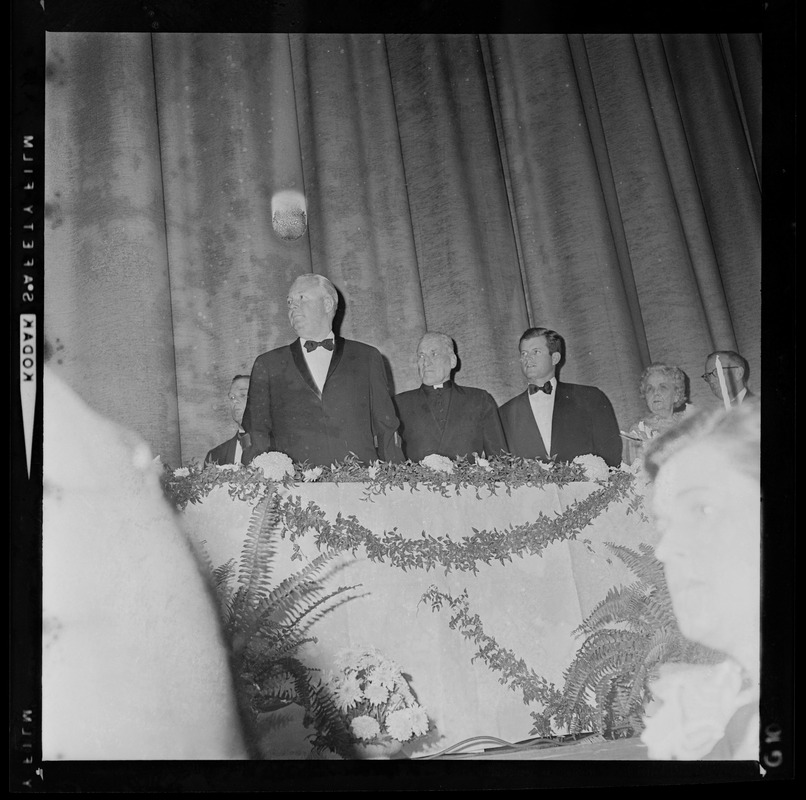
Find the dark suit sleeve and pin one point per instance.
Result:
(606, 436)
(495, 441)
(257, 420)
(384, 416)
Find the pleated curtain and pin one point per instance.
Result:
(607, 186)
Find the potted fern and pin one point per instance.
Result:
(628, 635)
(266, 623)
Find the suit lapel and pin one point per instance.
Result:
(302, 366)
(530, 427)
(338, 350)
(231, 444)
(560, 417)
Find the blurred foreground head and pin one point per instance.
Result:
(707, 503)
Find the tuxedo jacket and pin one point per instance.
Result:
(354, 413)
(583, 422)
(472, 426)
(224, 453)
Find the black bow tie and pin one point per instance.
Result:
(546, 387)
(311, 345)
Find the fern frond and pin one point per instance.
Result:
(643, 564)
(259, 551)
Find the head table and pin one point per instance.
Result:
(530, 605)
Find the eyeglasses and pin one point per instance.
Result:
(713, 373)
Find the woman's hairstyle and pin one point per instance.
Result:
(674, 374)
(736, 432)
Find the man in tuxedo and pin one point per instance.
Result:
(441, 416)
(322, 397)
(231, 451)
(553, 420)
(736, 372)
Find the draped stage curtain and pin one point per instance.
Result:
(607, 186)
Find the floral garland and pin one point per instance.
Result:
(514, 671)
(435, 474)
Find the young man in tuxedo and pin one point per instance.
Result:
(443, 417)
(231, 451)
(322, 397)
(553, 420)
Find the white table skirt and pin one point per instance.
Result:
(530, 605)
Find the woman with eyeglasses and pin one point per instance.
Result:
(663, 388)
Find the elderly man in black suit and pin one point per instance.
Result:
(231, 451)
(735, 371)
(441, 416)
(322, 397)
(553, 420)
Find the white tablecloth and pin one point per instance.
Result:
(530, 606)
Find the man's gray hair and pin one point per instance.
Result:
(443, 338)
(323, 283)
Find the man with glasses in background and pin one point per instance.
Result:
(736, 372)
(230, 452)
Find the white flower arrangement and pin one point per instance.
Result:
(438, 463)
(371, 692)
(484, 464)
(595, 467)
(310, 475)
(181, 472)
(275, 465)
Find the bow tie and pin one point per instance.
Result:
(546, 387)
(310, 345)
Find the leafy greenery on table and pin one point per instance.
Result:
(266, 623)
(627, 636)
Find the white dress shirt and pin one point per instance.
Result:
(238, 447)
(543, 409)
(318, 361)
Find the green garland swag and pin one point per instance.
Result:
(346, 533)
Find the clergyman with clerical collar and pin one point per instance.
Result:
(442, 416)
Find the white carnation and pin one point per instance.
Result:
(595, 467)
(181, 472)
(275, 465)
(311, 474)
(365, 727)
(438, 463)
